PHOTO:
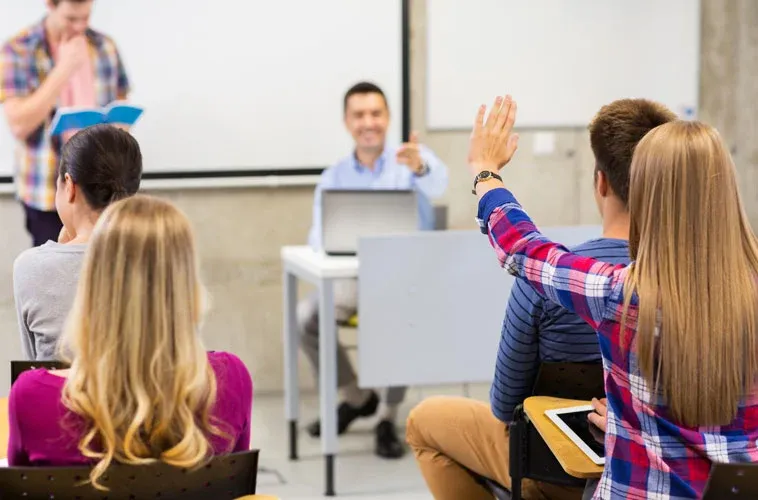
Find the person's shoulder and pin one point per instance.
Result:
(603, 247)
(32, 383)
(41, 257)
(226, 364)
(23, 42)
(101, 39)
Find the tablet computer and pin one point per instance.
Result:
(574, 423)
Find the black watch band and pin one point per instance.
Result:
(483, 176)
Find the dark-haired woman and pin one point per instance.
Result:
(99, 165)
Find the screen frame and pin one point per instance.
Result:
(553, 415)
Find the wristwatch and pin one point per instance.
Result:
(484, 176)
(424, 170)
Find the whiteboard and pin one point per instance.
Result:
(560, 59)
(242, 84)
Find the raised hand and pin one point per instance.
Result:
(409, 154)
(493, 142)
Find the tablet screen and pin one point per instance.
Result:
(588, 433)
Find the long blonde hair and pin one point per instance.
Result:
(694, 272)
(140, 377)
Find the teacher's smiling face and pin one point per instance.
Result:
(69, 17)
(367, 118)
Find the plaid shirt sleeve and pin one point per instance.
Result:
(123, 87)
(14, 73)
(579, 284)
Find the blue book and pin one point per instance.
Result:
(116, 113)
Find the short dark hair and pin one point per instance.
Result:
(615, 132)
(363, 88)
(104, 162)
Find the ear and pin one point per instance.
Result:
(601, 183)
(70, 188)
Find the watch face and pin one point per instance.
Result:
(484, 175)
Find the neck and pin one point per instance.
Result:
(368, 157)
(83, 228)
(616, 225)
(53, 35)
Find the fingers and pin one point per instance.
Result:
(413, 138)
(502, 116)
(494, 113)
(597, 421)
(599, 406)
(510, 118)
(479, 120)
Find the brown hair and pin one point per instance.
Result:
(56, 2)
(614, 133)
(694, 272)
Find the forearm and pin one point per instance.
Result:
(26, 114)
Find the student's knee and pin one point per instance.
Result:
(421, 421)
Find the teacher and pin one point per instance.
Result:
(57, 62)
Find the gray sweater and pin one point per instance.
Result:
(44, 285)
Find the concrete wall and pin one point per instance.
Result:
(240, 231)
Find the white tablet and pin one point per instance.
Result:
(573, 422)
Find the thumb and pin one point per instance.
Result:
(413, 138)
(512, 144)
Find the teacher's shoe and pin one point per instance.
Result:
(387, 443)
(347, 414)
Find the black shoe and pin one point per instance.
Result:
(387, 443)
(347, 414)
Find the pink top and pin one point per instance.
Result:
(41, 428)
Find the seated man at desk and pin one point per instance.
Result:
(452, 436)
(373, 164)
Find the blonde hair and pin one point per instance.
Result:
(694, 273)
(140, 376)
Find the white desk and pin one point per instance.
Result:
(321, 270)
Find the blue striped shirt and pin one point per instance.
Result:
(536, 330)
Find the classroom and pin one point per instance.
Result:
(379, 250)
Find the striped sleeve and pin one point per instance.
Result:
(579, 284)
(517, 363)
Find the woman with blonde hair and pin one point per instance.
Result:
(141, 386)
(677, 327)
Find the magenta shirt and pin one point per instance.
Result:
(42, 429)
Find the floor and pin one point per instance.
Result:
(360, 475)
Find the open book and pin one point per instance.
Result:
(117, 113)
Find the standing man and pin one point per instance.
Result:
(57, 62)
(372, 165)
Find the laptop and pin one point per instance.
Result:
(348, 215)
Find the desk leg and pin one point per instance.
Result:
(328, 379)
(291, 341)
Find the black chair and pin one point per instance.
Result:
(224, 477)
(19, 367)
(732, 482)
(530, 457)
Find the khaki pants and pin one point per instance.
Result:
(451, 436)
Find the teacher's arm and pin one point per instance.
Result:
(579, 284)
(25, 109)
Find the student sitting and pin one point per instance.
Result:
(99, 165)
(141, 386)
(677, 327)
(451, 436)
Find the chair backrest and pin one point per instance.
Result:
(570, 381)
(732, 482)
(19, 367)
(224, 477)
